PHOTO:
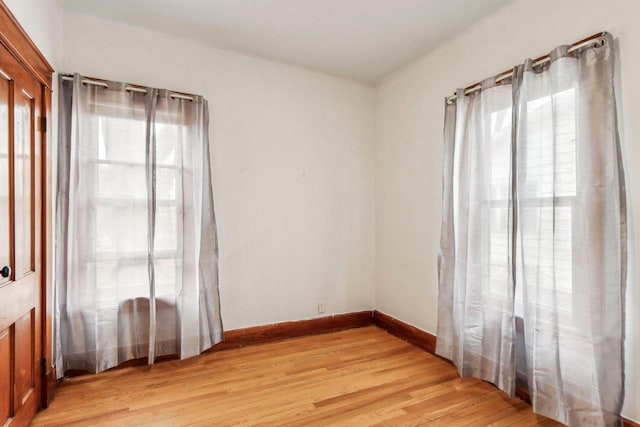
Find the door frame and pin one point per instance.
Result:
(15, 39)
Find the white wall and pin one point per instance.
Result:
(409, 122)
(293, 161)
(42, 20)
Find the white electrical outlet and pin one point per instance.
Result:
(320, 307)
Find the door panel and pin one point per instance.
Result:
(23, 132)
(5, 238)
(15, 299)
(20, 243)
(5, 375)
(24, 383)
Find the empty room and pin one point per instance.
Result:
(319, 213)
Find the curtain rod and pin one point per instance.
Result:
(538, 61)
(96, 82)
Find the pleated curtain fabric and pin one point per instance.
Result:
(534, 227)
(476, 284)
(136, 242)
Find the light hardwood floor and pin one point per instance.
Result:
(357, 377)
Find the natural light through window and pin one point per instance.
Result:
(547, 193)
(122, 209)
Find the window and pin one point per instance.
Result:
(121, 207)
(547, 192)
(560, 227)
(138, 272)
(500, 231)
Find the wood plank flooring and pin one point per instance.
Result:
(357, 377)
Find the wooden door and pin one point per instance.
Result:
(20, 242)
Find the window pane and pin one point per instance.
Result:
(4, 174)
(496, 146)
(167, 181)
(168, 229)
(499, 253)
(547, 247)
(547, 188)
(167, 143)
(23, 194)
(168, 277)
(550, 146)
(122, 139)
(121, 230)
(500, 154)
(121, 263)
(122, 182)
(119, 280)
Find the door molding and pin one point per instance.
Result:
(16, 40)
(18, 43)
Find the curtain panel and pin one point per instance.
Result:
(534, 228)
(136, 248)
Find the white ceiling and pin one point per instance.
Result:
(359, 39)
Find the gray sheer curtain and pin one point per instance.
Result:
(136, 233)
(534, 226)
(475, 324)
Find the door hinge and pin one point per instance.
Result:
(43, 124)
(43, 367)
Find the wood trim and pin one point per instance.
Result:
(237, 338)
(17, 41)
(523, 395)
(629, 423)
(49, 385)
(411, 334)
(46, 253)
(142, 361)
(281, 331)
